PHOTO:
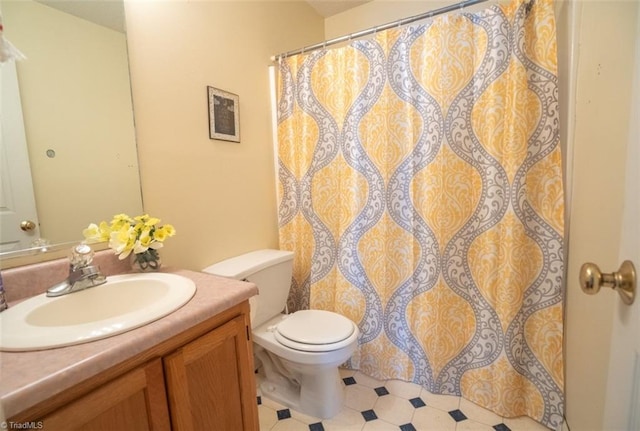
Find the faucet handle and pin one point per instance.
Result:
(81, 255)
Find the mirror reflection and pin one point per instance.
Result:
(68, 141)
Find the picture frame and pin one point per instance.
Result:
(224, 115)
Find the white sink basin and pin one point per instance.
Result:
(123, 303)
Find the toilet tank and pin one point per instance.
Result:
(270, 270)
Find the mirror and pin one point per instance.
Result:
(77, 112)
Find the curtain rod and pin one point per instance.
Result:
(372, 30)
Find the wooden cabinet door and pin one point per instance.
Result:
(210, 381)
(135, 401)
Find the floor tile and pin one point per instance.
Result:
(457, 415)
(470, 425)
(442, 402)
(394, 410)
(365, 380)
(347, 420)
(267, 417)
(417, 402)
(316, 427)
(403, 389)
(523, 423)
(268, 402)
(432, 419)
(290, 425)
(283, 414)
(345, 372)
(381, 391)
(369, 415)
(374, 405)
(304, 418)
(479, 414)
(359, 397)
(379, 425)
(348, 381)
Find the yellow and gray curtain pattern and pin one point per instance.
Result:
(420, 187)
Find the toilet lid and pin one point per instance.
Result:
(313, 330)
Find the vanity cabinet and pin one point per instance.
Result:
(134, 401)
(202, 379)
(206, 381)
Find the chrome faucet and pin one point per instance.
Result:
(82, 274)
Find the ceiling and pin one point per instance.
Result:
(110, 14)
(327, 8)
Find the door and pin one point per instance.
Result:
(17, 201)
(602, 338)
(622, 408)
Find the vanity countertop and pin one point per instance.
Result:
(28, 378)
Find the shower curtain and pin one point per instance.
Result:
(420, 188)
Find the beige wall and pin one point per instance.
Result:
(220, 196)
(76, 101)
(379, 12)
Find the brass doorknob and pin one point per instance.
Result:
(27, 225)
(624, 280)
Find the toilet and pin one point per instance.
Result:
(300, 352)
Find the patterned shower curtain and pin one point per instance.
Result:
(420, 187)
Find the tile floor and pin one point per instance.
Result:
(374, 405)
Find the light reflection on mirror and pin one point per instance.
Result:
(78, 116)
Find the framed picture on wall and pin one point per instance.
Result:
(224, 115)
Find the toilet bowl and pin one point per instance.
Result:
(300, 352)
(303, 374)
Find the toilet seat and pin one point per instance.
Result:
(315, 331)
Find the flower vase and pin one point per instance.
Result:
(147, 261)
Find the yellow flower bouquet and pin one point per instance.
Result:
(139, 235)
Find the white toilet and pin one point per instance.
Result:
(300, 352)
